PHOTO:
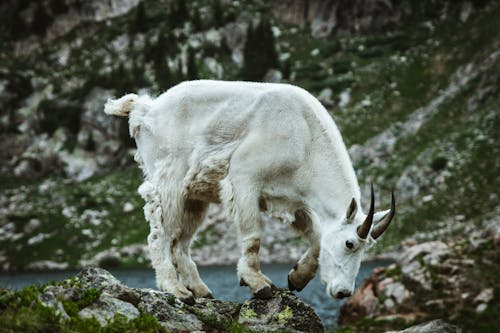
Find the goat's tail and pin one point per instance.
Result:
(123, 106)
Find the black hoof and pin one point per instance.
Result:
(273, 287)
(243, 283)
(264, 293)
(188, 300)
(292, 287)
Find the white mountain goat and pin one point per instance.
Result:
(252, 147)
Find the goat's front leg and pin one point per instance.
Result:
(243, 207)
(307, 267)
(249, 271)
(304, 270)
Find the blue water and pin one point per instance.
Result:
(222, 280)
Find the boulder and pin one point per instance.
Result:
(109, 297)
(435, 326)
(284, 312)
(364, 303)
(106, 307)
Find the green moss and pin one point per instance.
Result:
(22, 311)
(284, 316)
(219, 322)
(247, 313)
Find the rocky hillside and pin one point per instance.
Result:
(454, 278)
(413, 86)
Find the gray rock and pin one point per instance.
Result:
(416, 276)
(484, 296)
(98, 278)
(325, 97)
(106, 307)
(171, 314)
(51, 298)
(284, 311)
(397, 292)
(435, 326)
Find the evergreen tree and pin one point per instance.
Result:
(179, 75)
(178, 14)
(159, 56)
(196, 19)
(141, 21)
(41, 20)
(192, 70)
(58, 6)
(259, 53)
(218, 15)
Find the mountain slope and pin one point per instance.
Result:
(417, 102)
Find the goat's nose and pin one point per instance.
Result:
(342, 294)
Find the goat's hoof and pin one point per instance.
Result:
(188, 300)
(264, 293)
(273, 287)
(209, 296)
(243, 283)
(291, 286)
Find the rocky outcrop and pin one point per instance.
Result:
(428, 280)
(101, 296)
(325, 17)
(435, 326)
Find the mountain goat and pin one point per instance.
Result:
(251, 147)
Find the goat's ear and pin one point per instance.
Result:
(352, 210)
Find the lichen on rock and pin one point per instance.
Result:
(95, 294)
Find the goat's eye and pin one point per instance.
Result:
(349, 244)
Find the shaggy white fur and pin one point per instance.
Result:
(252, 147)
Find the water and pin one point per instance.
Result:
(222, 280)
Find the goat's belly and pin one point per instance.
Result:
(203, 182)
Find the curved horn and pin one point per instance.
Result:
(364, 229)
(382, 225)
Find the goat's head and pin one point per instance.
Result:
(343, 245)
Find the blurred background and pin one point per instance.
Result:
(412, 85)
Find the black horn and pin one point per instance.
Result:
(382, 225)
(364, 229)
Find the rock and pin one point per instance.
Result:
(273, 75)
(172, 316)
(344, 98)
(51, 298)
(284, 311)
(362, 304)
(435, 326)
(481, 307)
(417, 276)
(484, 296)
(47, 265)
(396, 291)
(235, 34)
(107, 307)
(128, 207)
(325, 97)
(32, 225)
(399, 317)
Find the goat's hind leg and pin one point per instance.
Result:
(193, 214)
(159, 243)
